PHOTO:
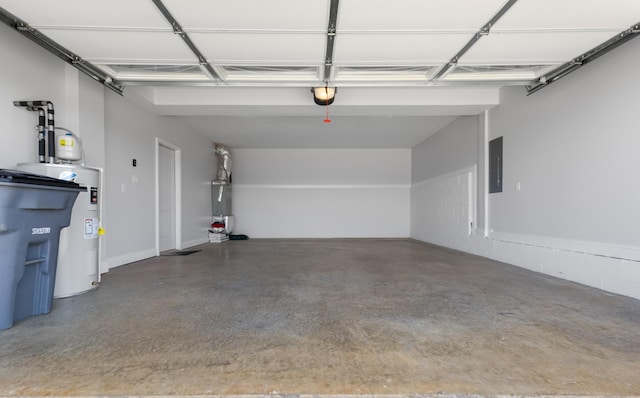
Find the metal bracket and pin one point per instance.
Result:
(484, 31)
(331, 36)
(583, 59)
(177, 29)
(59, 51)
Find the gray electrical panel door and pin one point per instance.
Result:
(495, 165)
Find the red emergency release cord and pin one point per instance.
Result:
(327, 120)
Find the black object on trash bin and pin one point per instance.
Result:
(33, 210)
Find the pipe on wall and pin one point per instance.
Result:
(41, 132)
(49, 129)
(223, 173)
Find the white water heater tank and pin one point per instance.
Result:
(68, 148)
(78, 268)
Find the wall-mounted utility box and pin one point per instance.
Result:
(495, 165)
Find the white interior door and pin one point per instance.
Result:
(166, 198)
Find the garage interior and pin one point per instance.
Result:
(388, 252)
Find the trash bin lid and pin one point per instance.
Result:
(21, 177)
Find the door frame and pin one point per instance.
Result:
(177, 164)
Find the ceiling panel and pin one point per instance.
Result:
(383, 73)
(139, 72)
(570, 14)
(98, 13)
(267, 45)
(425, 15)
(311, 132)
(105, 46)
(281, 15)
(261, 49)
(233, 73)
(397, 49)
(532, 48)
(522, 73)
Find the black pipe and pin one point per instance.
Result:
(41, 127)
(49, 128)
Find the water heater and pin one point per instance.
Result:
(78, 254)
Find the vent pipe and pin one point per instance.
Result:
(223, 173)
(41, 133)
(221, 191)
(48, 130)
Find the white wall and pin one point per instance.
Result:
(321, 193)
(29, 73)
(459, 138)
(113, 131)
(572, 147)
(442, 209)
(130, 213)
(443, 193)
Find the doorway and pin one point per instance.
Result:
(168, 220)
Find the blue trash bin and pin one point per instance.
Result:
(33, 210)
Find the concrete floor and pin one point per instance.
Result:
(327, 317)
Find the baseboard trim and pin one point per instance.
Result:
(195, 242)
(622, 252)
(117, 261)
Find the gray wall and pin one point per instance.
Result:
(453, 148)
(573, 147)
(131, 215)
(322, 193)
(27, 73)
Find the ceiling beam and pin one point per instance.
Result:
(177, 29)
(482, 32)
(583, 59)
(331, 37)
(59, 51)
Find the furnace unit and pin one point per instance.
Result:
(222, 220)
